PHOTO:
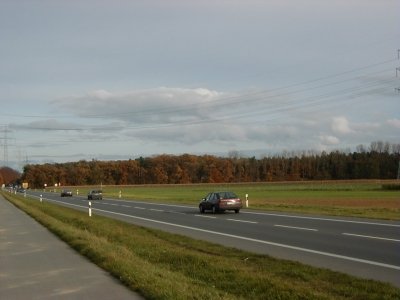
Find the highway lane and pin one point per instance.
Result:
(367, 248)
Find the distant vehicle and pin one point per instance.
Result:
(220, 201)
(66, 193)
(95, 195)
(21, 190)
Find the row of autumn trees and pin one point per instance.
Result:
(379, 161)
(8, 175)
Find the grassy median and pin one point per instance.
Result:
(161, 265)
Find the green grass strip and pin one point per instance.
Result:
(161, 265)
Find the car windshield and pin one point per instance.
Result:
(227, 195)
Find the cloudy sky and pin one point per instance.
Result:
(116, 79)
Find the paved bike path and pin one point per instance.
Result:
(35, 264)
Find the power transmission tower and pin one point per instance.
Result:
(5, 139)
(397, 70)
(398, 172)
(398, 90)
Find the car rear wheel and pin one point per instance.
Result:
(236, 211)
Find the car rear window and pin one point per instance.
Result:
(227, 195)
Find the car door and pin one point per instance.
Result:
(209, 201)
(214, 200)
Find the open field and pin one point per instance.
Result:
(365, 199)
(160, 265)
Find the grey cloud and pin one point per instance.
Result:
(47, 125)
(340, 125)
(55, 125)
(395, 123)
(157, 105)
(194, 134)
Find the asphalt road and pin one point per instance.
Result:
(361, 247)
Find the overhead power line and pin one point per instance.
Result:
(271, 110)
(263, 98)
(232, 99)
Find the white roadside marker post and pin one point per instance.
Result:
(90, 208)
(120, 194)
(41, 198)
(247, 200)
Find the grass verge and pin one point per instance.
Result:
(161, 265)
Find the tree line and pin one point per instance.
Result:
(8, 175)
(378, 161)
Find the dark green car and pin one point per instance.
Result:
(66, 193)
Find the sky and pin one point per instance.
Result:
(119, 79)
